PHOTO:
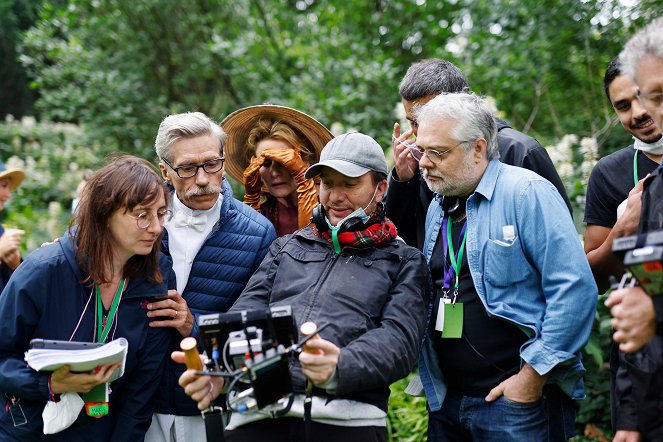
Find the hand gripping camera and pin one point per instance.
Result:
(251, 349)
(643, 258)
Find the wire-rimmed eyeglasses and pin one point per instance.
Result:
(435, 156)
(145, 219)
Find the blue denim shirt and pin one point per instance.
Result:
(540, 281)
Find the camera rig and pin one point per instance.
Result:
(251, 349)
(643, 259)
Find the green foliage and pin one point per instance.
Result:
(595, 409)
(54, 157)
(407, 419)
(15, 17)
(119, 66)
(112, 69)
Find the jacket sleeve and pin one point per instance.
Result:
(19, 316)
(401, 204)
(387, 353)
(551, 244)
(658, 308)
(138, 395)
(626, 407)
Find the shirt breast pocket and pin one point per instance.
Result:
(504, 263)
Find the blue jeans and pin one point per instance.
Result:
(471, 418)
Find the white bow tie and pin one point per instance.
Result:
(198, 222)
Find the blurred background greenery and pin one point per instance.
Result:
(81, 79)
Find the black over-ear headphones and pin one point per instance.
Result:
(319, 219)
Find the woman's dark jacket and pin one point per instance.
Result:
(45, 299)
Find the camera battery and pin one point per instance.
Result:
(271, 380)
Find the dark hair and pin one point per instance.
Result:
(432, 76)
(377, 177)
(613, 71)
(125, 182)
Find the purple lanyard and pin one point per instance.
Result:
(448, 269)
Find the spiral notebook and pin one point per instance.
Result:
(49, 355)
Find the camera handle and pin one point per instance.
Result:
(213, 415)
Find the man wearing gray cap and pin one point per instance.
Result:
(349, 270)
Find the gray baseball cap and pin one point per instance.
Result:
(352, 154)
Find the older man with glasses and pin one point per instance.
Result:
(215, 242)
(408, 196)
(515, 297)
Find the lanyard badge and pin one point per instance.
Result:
(450, 313)
(96, 400)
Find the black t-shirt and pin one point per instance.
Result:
(610, 182)
(489, 350)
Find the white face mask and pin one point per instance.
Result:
(655, 148)
(358, 213)
(58, 416)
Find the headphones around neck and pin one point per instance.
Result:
(453, 206)
(351, 225)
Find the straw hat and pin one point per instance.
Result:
(15, 175)
(238, 125)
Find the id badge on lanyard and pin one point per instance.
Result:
(450, 313)
(96, 400)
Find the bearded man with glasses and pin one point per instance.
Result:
(408, 196)
(215, 242)
(514, 295)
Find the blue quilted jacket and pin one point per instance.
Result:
(229, 256)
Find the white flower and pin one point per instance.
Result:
(336, 128)
(28, 121)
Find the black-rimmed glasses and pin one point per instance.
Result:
(145, 219)
(188, 170)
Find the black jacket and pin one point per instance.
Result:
(638, 386)
(651, 218)
(373, 298)
(407, 201)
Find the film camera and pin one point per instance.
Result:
(643, 258)
(251, 348)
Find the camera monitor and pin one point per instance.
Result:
(254, 341)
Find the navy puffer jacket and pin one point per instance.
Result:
(221, 269)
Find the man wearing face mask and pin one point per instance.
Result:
(349, 270)
(617, 178)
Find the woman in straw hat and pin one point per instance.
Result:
(10, 239)
(269, 148)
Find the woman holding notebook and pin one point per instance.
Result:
(91, 286)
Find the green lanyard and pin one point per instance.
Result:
(635, 168)
(102, 332)
(334, 235)
(455, 263)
